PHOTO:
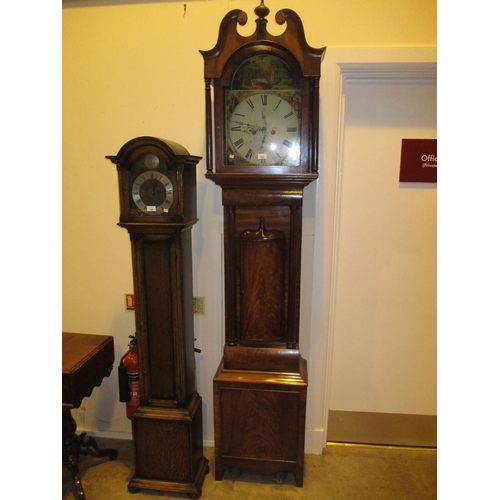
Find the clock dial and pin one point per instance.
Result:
(263, 128)
(152, 192)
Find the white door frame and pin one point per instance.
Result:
(342, 65)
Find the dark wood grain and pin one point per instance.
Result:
(167, 426)
(260, 420)
(261, 386)
(169, 448)
(262, 257)
(86, 360)
(291, 46)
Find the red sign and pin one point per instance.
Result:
(129, 301)
(418, 160)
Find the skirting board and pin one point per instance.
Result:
(382, 428)
(313, 445)
(315, 441)
(104, 434)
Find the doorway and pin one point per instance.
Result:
(383, 373)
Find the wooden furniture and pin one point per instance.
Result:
(262, 150)
(157, 181)
(260, 411)
(86, 360)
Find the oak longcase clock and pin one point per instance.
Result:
(157, 182)
(262, 149)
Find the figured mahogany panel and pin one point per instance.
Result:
(262, 274)
(262, 254)
(256, 421)
(259, 415)
(259, 270)
(271, 359)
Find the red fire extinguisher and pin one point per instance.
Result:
(128, 378)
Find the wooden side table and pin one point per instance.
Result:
(86, 360)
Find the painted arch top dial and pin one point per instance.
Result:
(264, 129)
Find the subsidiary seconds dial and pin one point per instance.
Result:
(264, 129)
(152, 192)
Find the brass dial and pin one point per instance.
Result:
(152, 192)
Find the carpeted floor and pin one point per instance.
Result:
(342, 472)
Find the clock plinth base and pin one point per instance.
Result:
(260, 417)
(168, 445)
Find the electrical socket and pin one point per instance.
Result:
(198, 305)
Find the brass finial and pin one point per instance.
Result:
(262, 11)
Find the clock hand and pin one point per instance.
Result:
(264, 129)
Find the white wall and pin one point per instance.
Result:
(341, 64)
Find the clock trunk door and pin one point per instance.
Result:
(262, 262)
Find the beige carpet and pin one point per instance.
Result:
(342, 472)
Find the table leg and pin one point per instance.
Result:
(90, 447)
(71, 449)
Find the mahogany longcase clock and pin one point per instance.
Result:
(262, 149)
(157, 181)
